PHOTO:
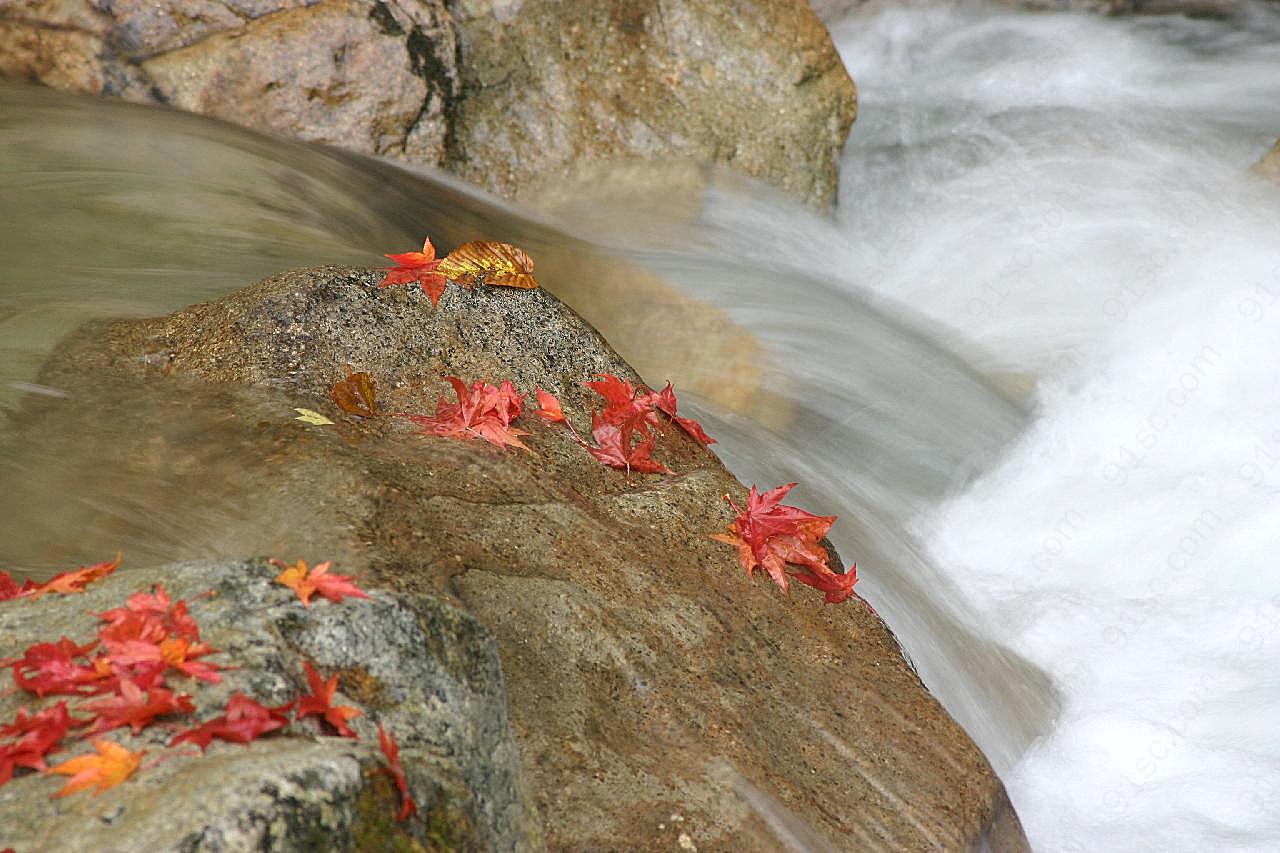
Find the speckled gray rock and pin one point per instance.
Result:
(422, 669)
(655, 692)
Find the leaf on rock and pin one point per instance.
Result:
(490, 263)
(837, 587)
(111, 766)
(395, 770)
(420, 267)
(76, 581)
(769, 534)
(624, 446)
(243, 721)
(482, 411)
(309, 416)
(320, 703)
(356, 394)
(548, 406)
(33, 736)
(51, 668)
(307, 583)
(665, 402)
(9, 587)
(135, 708)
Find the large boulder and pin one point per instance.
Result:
(760, 89)
(417, 666)
(507, 96)
(656, 693)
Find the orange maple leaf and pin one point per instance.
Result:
(69, 582)
(419, 267)
(307, 583)
(111, 766)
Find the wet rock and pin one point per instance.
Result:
(507, 96)
(759, 88)
(428, 673)
(654, 691)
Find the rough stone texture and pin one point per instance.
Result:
(427, 672)
(757, 86)
(654, 690)
(369, 76)
(508, 96)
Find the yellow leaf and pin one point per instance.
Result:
(491, 263)
(310, 417)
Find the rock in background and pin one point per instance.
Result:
(508, 96)
(655, 692)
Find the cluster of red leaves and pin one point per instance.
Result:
(770, 535)
(626, 429)
(482, 411)
(624, 433)
(147, 640)
(63, 582)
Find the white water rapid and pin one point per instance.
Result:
(1031, 365)
(1068, 196)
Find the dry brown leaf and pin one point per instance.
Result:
(491, 263)
(356, 394)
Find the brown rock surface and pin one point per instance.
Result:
(653, 690)
(506, 96)
(757, 87)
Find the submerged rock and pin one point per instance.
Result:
(656, 694)
(428, 673)
(506, 96)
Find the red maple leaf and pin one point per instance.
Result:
(50, 668)
(391, 750)
(320, 703)
(625, 405)
(150, 615)
(769, 534)
(76, 581)
(625, 446)
(243, 721)
(9, 587)
(134, 707)
(548, 406)
(420, 267)
(665, 402)
(33, 737)
(482, 411)
(837, 587)
(307, 583)
(170, 653)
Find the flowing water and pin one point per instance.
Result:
(1031, 365)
